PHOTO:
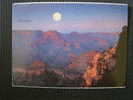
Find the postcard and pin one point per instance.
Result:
(69, 45)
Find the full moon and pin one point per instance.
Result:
(56, 16)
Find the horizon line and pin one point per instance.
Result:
(60, 31)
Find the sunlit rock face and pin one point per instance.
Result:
(80, 63)
(101, 63)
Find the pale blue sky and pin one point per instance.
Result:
(75, 17)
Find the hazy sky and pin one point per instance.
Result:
(75, 17)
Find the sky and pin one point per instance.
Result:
(75, 17)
